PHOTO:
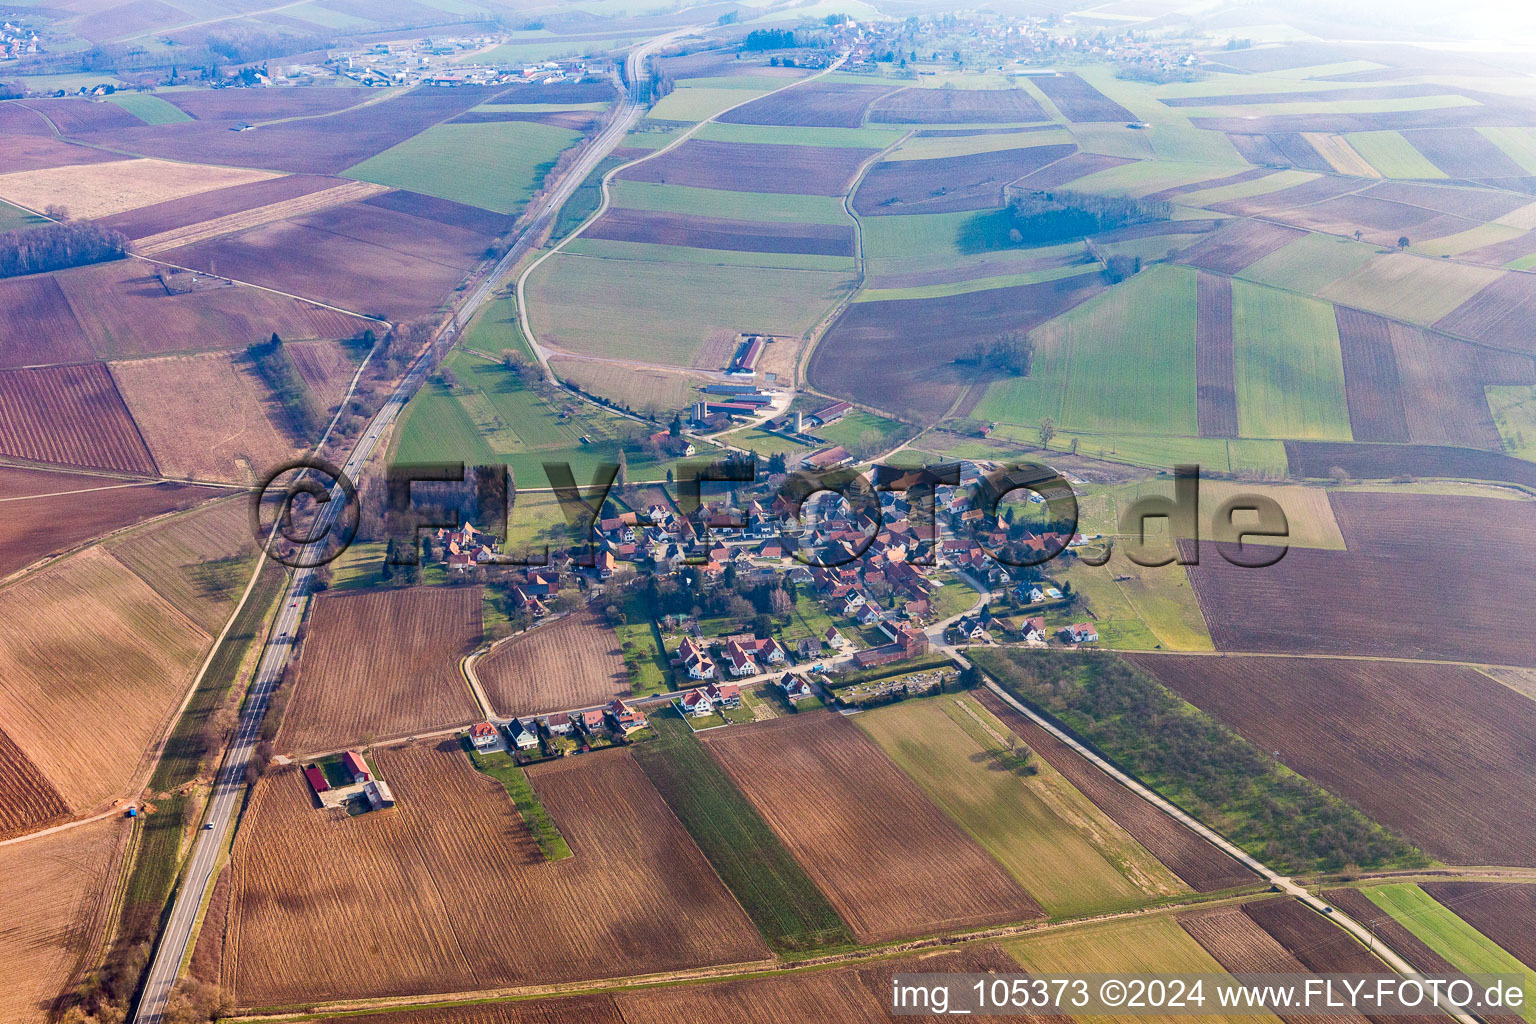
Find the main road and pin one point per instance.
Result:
(230, 784)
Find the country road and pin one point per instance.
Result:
(230, 784)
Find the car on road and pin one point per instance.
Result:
(207, 826)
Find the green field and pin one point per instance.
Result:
(1467, 949)
(937, 146)
(1287, 366)
(1140, 179)
(1410, 287)
(1519, 144)
(13, 218)
(1244, 189)
(799, 135)
(979, 284)
(435, 428)
(667, 313)
(1393, 155)
(585, 200)
(713, 202)
(1310, 263)
(698, 103)
(919, 234)
(514, 780)
(495, 166)
(754, 864)
(764, 443)
(1463, 241)
(611, 249)
(946, 747)
(1123, 363)
(853, 428)
(1514, 412)
(149, 109)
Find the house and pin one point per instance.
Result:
(379, 795)
(482, 735)
(808, 647)
(558, 724)
(1079, 633)
(725, 695)
(695, 660)
(316, 779)
(356, 767)
(590, 721)
(834, 639)
(695, 703)
(523, 734)
(794, 688)
(1033, 629)
(739, 660)
(627, 718)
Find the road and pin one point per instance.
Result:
(230, 783)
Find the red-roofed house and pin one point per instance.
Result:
(356, 767)
(482, 735)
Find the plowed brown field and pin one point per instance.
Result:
(92, 665)
(1215, 382)
(813, 105)
(448, 892)
(54, 904)
(72, 415)
(1449, 772)
(1477, 550)
(1242, 947)
(956, 106)
(38, 326)
(207, 417)
(890, 861)
(573, 662)
(200, 562)
(382, 665)
(27, 799)
(754, 167)
(1504, 913)
(1238, 244)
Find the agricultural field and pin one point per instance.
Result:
(813, 105)
(753, 167)
(1447, 935)
(1496, 314)
(100, 190)
(678, 314)
(50, 512)
(948, 184)
(1447, 775)
(1286, 365)
(1199, 864)
(573, 662)
(500, 164)
(1315, 601)
(72, 415)
(732, 235)
(443, 866)
(200, 561)
(55, 904)
(899, 867)
(1409, 287)
(925, 381)
(1501, 912)
(1237, 245)
(1144, 945)
(377, 256)
(87, 641)
(1309, 263)
(956, 106)
(1052, 841)
(221, 204)
(775, 891)
(206, 417)
(303, 144)
(380, 665)
(1078, 101)
(1102, 367)
(119, 310)
(861, 995)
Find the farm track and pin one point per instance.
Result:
(271, 213)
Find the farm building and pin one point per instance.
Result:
(379, 794)
(909, 644)
(316, 776)
(356, 767)
(828, 458)
(831, 414)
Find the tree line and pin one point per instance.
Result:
(1042, 217)
(304, 412)
(1198, 763)
(58, 246)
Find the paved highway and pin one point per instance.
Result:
(230, 784)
